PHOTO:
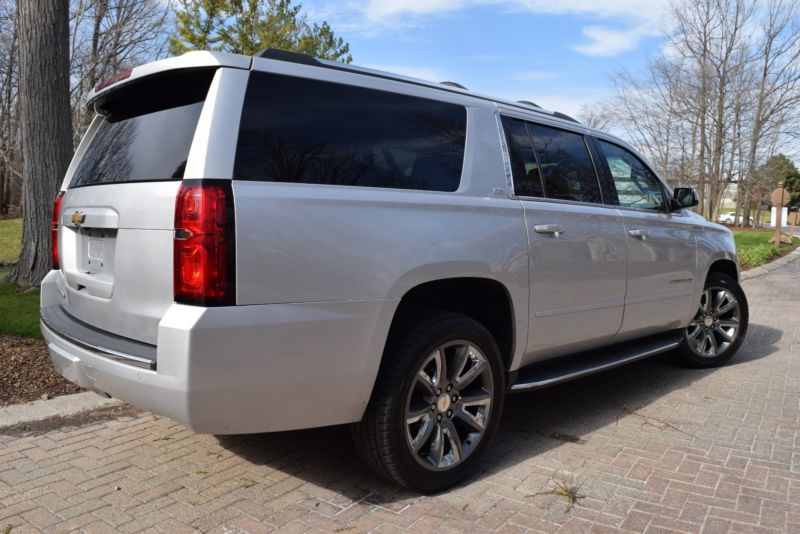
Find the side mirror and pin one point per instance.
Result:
(684, 197)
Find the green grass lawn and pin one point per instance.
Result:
(10, 238)
(754, 249)
(19, 310)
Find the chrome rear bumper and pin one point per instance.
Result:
(105, 344)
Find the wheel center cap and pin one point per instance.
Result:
(708, 321)
(443, 403)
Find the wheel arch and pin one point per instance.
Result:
(494, 308)
(722, 262)
(724, 265)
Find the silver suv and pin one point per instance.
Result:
(251, 244)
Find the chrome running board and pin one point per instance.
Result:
(563, 369)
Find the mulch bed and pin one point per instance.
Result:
(26, 372)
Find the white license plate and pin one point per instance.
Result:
(96, 250)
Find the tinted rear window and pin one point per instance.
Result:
(147, 130)
(308, 131)
(565, 163)
(152, 147)
(525, 169)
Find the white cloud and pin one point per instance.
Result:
(627, 21)
(605, 41)
(628, 9)
(384, 10)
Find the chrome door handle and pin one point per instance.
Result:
(640, 234)
(549, 229)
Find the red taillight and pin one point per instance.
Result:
(204, 268)
(54, 229)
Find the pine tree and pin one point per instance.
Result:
(780, 168)
(247, 26)
(197, 23)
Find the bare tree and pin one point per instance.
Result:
(777, 92)
(106, 36)
(597, 115)
(646, 108)
(46, 130)
(710, 42)
(10, 158)
(721, 99)
(109, 36)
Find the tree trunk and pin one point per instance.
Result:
(2, 190)
(46, 129)
(746, 210)
(7, 113)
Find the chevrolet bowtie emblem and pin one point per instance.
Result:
(78, 217)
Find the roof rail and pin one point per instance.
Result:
(565, 117)
(529, 103)
(285, 55)
(454, 84)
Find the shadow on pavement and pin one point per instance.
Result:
(532, 424)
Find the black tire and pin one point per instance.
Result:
(689, 350)
(381, 436)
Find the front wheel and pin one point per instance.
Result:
(436, 405)
(718, 327)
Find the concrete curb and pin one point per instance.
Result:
(58, 406)
(771, 266)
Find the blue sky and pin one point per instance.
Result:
(558, 54)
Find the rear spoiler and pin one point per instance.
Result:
(189, 60)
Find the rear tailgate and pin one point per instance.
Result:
(117, 215)
(117, 261)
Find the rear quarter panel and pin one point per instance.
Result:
(310, 243)
(299, 243)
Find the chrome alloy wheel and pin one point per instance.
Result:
(716, 324)
(449, 405)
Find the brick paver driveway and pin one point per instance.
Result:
(653, 447)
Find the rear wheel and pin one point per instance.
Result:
(436, 404)
(719, 325)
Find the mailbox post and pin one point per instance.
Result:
(779, 199)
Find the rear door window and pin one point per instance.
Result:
(147, 130)
(524, 168)
(565, 164)
(307, 131)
